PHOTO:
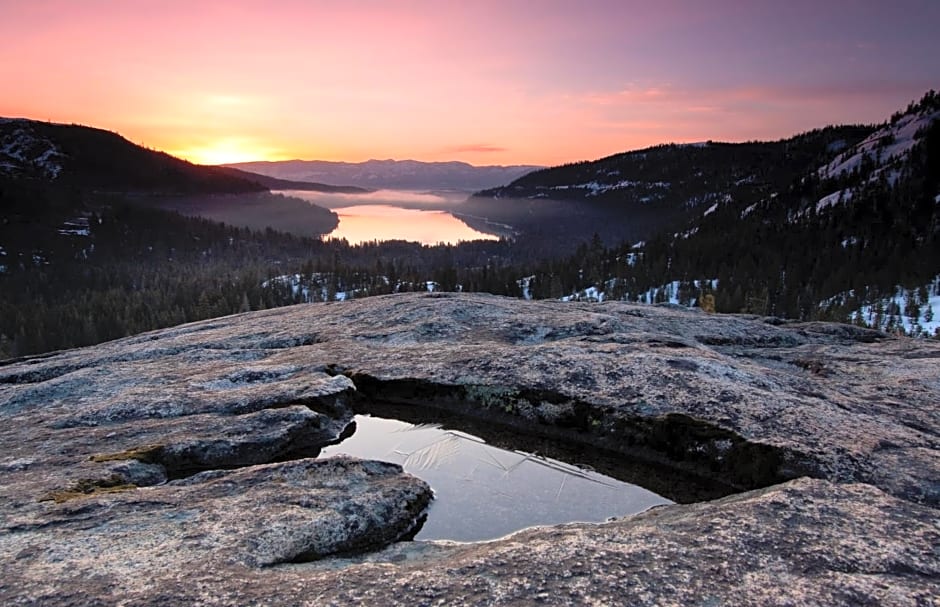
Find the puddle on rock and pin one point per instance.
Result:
(483, 492)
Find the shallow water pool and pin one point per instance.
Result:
(483, 492)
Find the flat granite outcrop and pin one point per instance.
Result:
(174, 466)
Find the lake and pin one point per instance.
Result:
(395, 215)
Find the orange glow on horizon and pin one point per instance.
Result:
(224, 152)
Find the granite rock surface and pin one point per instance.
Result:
(175, 466)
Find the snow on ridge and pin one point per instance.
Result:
(900, 134)
(833, 199)
(598, 188)
(747, 211)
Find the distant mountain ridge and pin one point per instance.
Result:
(273, 183)
(391, 174)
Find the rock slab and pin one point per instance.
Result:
(174, 466)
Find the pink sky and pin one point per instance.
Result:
(502, 82)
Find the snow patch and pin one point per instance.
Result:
(833, 199)
(906, 310)
(588, 294)
(75, 227)
(669, 293)
(21, 148)
(594, 187)
(525, 284)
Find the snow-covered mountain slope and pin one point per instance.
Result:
(880, 160)
(885, 148)
(23, 150)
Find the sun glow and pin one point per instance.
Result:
(227, 151)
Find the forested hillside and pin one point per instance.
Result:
(635, 195)
(840, 236)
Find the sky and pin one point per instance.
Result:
(487, 82)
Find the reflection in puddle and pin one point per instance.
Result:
(483, 492)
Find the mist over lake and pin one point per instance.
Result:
(405, 199)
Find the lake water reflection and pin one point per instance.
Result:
(364, 223)
(395, 215)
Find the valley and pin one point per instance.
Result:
(756, 227)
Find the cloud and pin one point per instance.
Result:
(711, 99)
(631, 94)
(476, 148)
